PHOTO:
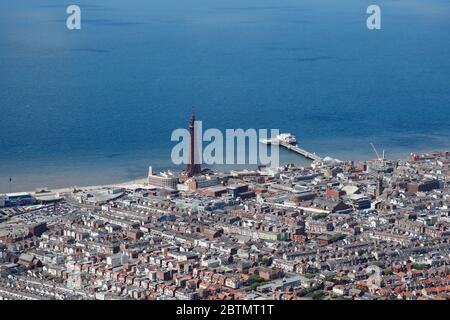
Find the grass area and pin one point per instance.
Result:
(311, 292)
(320, 216)
(387, 272)
(255, 281)
(418, 266)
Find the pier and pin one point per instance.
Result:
(289, 142)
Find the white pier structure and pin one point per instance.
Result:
(289, 141)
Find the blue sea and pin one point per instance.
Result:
(98, 105)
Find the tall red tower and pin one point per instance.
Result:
(192, 167)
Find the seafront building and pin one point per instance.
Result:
(165, 180)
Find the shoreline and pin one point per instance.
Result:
(91, 187)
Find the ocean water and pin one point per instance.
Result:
(98, 105)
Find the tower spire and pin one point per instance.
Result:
(193, 114)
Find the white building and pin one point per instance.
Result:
(2, 200)
(116, 260)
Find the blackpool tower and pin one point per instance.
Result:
(192, 167)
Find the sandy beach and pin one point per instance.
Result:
(91, 187)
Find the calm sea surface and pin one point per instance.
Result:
(99, 105)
